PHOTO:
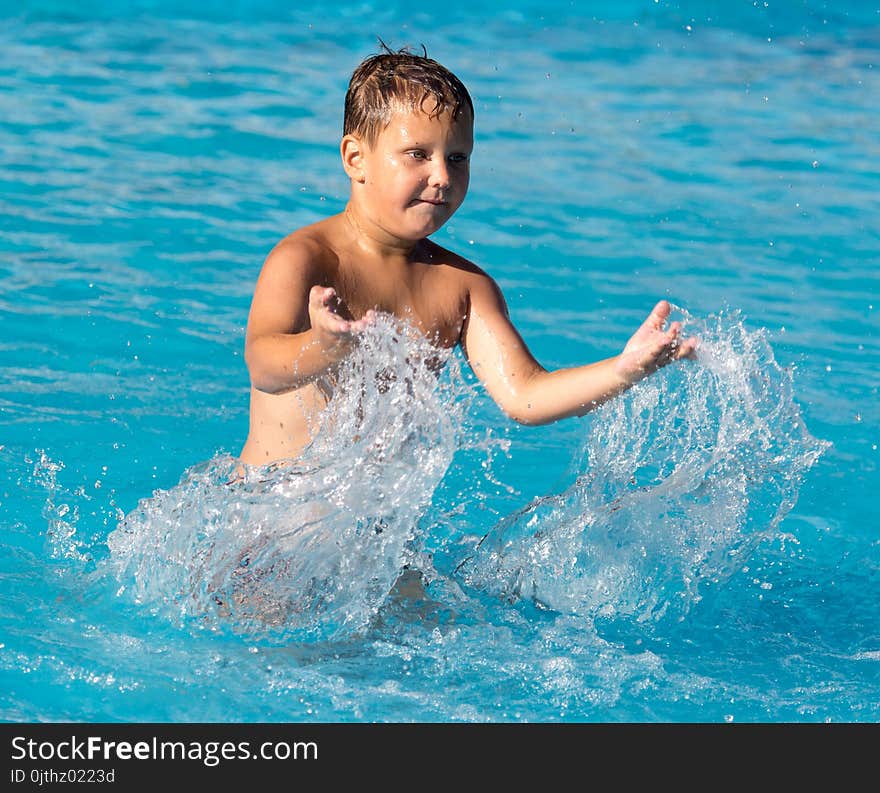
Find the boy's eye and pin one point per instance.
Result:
(455, 159)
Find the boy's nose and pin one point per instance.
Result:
(439, 175)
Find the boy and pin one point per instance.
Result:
(406, 145)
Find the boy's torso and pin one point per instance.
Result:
(431, 293)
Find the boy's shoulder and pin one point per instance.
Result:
(473, 279)
(455, 263)
(309, 249)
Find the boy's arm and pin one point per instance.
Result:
(530, 394)
(294, 333)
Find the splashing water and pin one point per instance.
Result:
(689, 470)
(310, 549)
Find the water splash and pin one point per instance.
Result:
(62, 510)
(688, 471)
(308, 550)
(676, 483)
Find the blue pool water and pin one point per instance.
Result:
(705, 548)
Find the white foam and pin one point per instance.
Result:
(310, 549)
(677, 482)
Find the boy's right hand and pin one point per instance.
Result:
(335, 334)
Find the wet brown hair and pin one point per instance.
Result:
(399, 80)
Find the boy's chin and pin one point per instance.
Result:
(416, 233)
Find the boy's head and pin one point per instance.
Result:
(400, 81)
(406, 145)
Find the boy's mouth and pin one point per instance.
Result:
(435, 201)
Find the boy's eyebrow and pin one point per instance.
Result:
(418, 142)
(419, 147)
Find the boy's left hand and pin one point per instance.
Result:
(651, 347)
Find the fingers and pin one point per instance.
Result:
(660, 313)
(687, 349)
(323, 297)
(363, 323)
(324, 305)
(678, 346)
(681, 347)
(671, 346)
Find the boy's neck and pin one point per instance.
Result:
(374, 240)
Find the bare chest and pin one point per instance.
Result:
(429, 299)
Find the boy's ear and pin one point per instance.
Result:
(352, 150)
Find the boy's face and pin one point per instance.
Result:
(417, 172)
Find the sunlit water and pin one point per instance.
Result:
(703, 548)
